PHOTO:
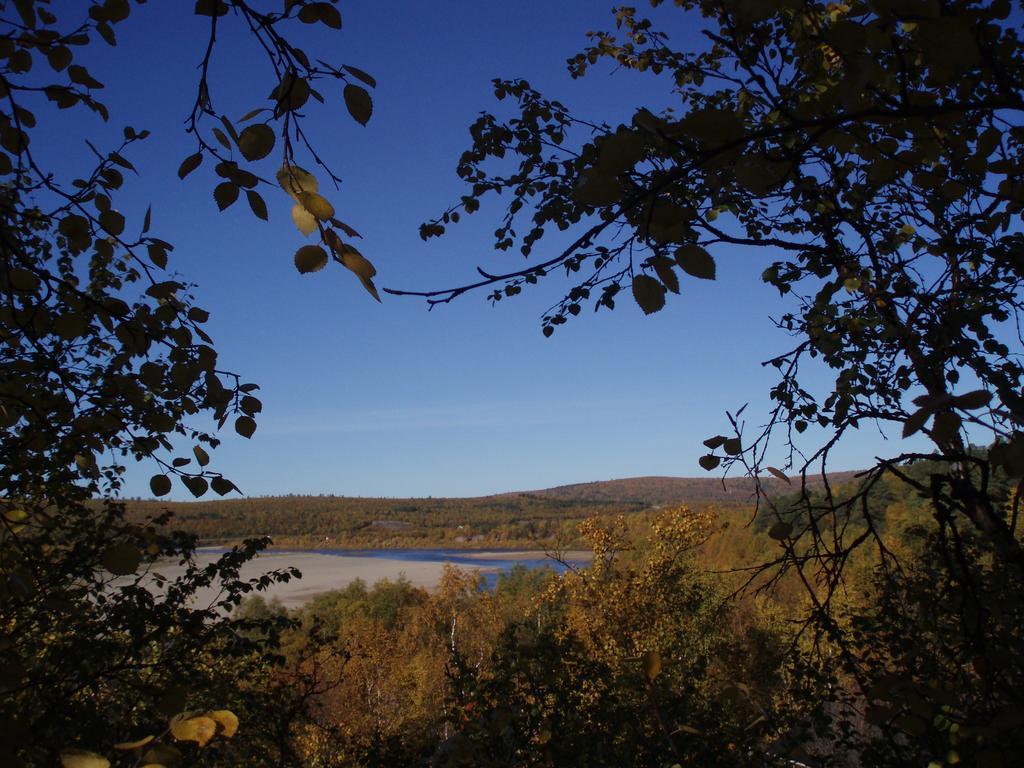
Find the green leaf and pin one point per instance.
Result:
(649, 293)
(211, 8)
(160, 485)
(189, 164)
(359, 103)
(972, 401)
(361, 75)
(310, 258)
(197, 486)
(696, 261)
(245, 426)
(915, 421)
(945, 426)
(225, 194)
(256, 141)
(291, 93)
(257, 204)
(112, 222)
(664, 269)
(201, 456)
(709, 461)
(222, 486)
(596, 187)
(121, 559)
(325, 13)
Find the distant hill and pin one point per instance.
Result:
(543, 518)
(673, 490)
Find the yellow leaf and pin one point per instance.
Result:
(198, 729)
(317, 205)
(129, 745)
(652, 664)
(360, 265)
(295, 180)
(227, 720)
(303, 219)
(80, 758)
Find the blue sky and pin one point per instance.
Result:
(387, 399)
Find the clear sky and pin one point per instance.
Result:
(387, 399)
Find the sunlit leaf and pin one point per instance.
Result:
(80, 758)
(226, 720)
(360, 265)
(317, 205)
(295, 180)
(126, 746)
(200, 729)
(304, 220)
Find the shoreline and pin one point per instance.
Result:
(324, 572)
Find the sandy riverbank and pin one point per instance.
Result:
(322, 573)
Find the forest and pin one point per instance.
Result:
(336, 521)
(675, 647)
(546, 519)
(861, 163)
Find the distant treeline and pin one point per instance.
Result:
(523, 520)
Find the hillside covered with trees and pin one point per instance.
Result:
(546, 518)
